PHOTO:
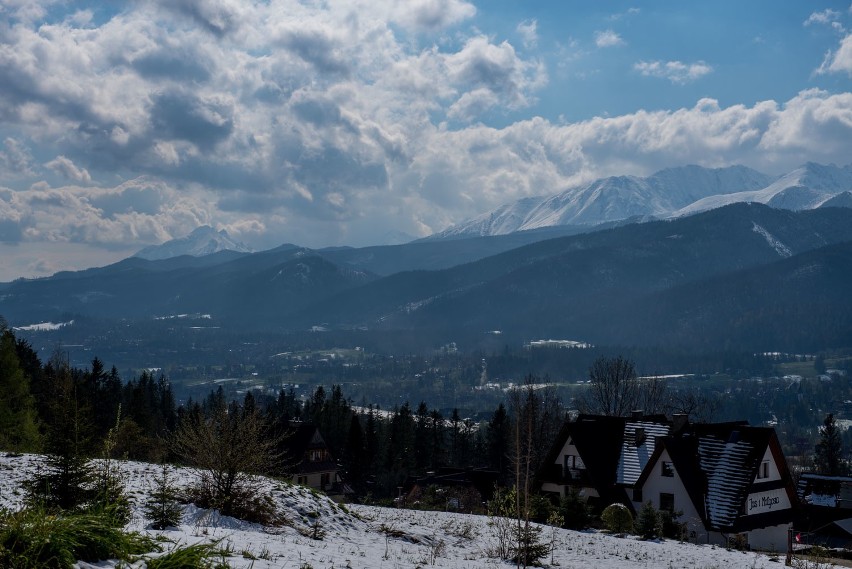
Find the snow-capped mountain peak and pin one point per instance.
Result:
(614, 199)
(203, 240)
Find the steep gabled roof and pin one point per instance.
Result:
(608, 446)
(637, 445)
(717, 464)
(302, 438)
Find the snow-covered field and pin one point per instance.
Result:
(371, 537)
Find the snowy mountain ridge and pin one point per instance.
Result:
(672, 192)
(203, 240)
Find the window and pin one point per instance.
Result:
(666, 502)
(667, 469)
(573, 461)
(325, 480)
(763, 471)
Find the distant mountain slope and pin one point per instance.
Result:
(561, 287)
(799, 303)
(259, 288)
(635, 283)
(672, 192)
(440, 254)
(202, 241)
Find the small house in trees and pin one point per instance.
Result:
(309, 458)
(452, 489)
(601, 457)
(728, 481)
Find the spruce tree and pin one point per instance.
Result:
(162, 506)
(648, 522)
(828, 454)
(65, 479)
(18, 419)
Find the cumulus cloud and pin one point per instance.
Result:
(16, 160)
(675, 71)
(494, 72)
(66, 168)
(431, 15)
(839, 61)
(607, 38)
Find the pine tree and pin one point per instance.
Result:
(66, 479)
(162, 506)
(828, 454)
(18, 419)
(648, 522)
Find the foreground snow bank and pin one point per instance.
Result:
(371, 537)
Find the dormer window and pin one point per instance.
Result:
(763, 471)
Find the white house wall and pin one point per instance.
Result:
(656, 484)
(774, 473)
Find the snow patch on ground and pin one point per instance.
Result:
(44, 326)
(371, 537)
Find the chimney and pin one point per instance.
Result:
(636, 414)
(679, 422)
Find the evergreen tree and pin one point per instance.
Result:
(354, 455)
(574, 510)
(18, 418)
(66, 479)
(648, 522)
(828, 454)
(498, 442)
(162, 506)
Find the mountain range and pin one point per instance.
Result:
(745, 274)
(203, 240)
(668, 193)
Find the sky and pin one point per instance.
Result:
(346, 122)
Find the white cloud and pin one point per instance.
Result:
(675, 71)
(67, 169)
(431, 15)
(528, 30)
(16, 160)
(608, 38)
(629, 12)
(825, 17)
(839, 61)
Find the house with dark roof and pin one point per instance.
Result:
(826, 509)
(310, 460)
(462, 489)
(729, 481)
(601, 457)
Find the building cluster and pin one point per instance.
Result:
(728, 482)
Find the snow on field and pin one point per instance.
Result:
(44, 326)
(378, 538)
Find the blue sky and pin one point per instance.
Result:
(329, 123)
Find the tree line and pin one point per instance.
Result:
(52, 407)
